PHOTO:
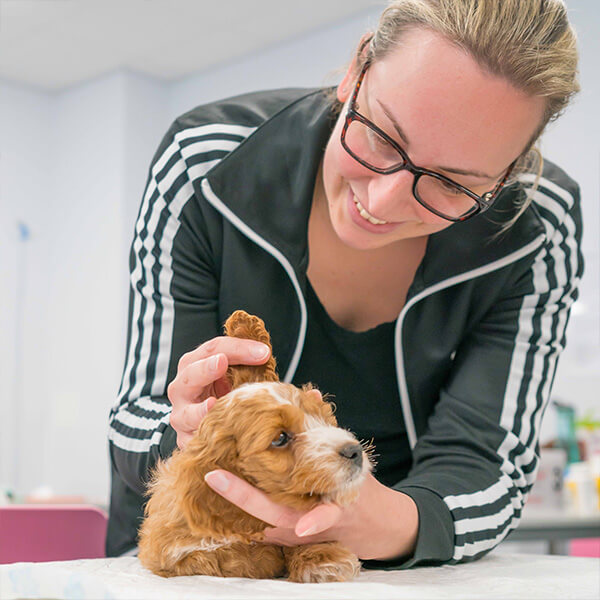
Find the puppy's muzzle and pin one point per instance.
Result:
(354, 454)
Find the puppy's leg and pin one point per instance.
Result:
(255, 560)
(317, 563)
(195, 562)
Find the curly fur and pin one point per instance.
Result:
(189, 529)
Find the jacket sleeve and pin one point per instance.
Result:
(477, 461)
(173, 296)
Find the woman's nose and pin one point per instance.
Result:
(391, 197)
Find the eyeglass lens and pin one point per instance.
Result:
(375, 151)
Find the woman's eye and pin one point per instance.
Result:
(376, 140)
(450, 189)
(282, 440)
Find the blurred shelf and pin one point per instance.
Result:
(556, 526)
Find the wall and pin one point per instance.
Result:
(309, 61)
(573, 143)
(24, 174)
(73, 166)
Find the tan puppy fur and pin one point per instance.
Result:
(281, 439)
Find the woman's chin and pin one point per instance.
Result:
(359, 239)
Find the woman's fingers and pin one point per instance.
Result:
(209, 362)
(201, 373)
(193, 414)
(320, 518)
(188, 419)
(291, 527)
(191, 381)
(251, 500)
(238, 351)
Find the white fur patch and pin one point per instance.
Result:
(321, 443)
(324, 572)
(206, 545)
(249, 390)
(320, 434)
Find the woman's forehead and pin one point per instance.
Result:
(448, 106)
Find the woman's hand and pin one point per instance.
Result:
(382, 524)
(201, 379)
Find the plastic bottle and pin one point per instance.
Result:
(581, 489)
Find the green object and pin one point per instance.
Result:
(566, 431)
(588, 422)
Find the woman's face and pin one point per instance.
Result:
(447, 114)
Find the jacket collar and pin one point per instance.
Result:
(480, 241)
(268, 183)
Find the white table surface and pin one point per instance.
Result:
(496, 576)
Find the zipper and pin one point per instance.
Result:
(442, 285)
(214, 200)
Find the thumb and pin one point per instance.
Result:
(195, 412)
(320, 518)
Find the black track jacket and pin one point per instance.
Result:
(223, 226)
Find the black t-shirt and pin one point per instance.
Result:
(357, 370)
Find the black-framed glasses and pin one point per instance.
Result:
(377, 151)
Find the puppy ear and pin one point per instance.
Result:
(213, 447)
(207, 514)
(242, 325)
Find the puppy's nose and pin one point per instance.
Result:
(352, 452)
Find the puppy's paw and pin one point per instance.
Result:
(320, 563)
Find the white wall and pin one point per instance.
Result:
(73, 166)
(310, 61)
(573, 143)
(24, 187)
(74, 172)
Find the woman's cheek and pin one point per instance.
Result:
(340, 167)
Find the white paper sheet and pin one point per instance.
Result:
(493, 577)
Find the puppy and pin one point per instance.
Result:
(281, 439)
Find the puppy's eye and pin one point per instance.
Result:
(282, 440)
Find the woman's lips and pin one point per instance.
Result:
(354, 211)
(365, 214)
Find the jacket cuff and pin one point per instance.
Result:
(435, 539)
(168, 442)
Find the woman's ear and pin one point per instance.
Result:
(345, 86)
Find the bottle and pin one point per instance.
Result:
(581, 489)
(595, 469)
(566, 431)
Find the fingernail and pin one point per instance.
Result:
(217, 481)
(206, 406)
(213, 364)
(259, 351)
(306, 530)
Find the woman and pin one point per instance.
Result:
(405, 257)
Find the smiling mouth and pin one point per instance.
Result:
(366, 215)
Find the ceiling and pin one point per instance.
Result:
(51, 44)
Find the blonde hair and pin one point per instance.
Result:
(530, 43)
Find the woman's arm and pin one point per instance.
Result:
(173, 297)
(479, 455)
(382, 523)
(476, 462)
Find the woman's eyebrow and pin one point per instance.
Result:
(404, 138)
